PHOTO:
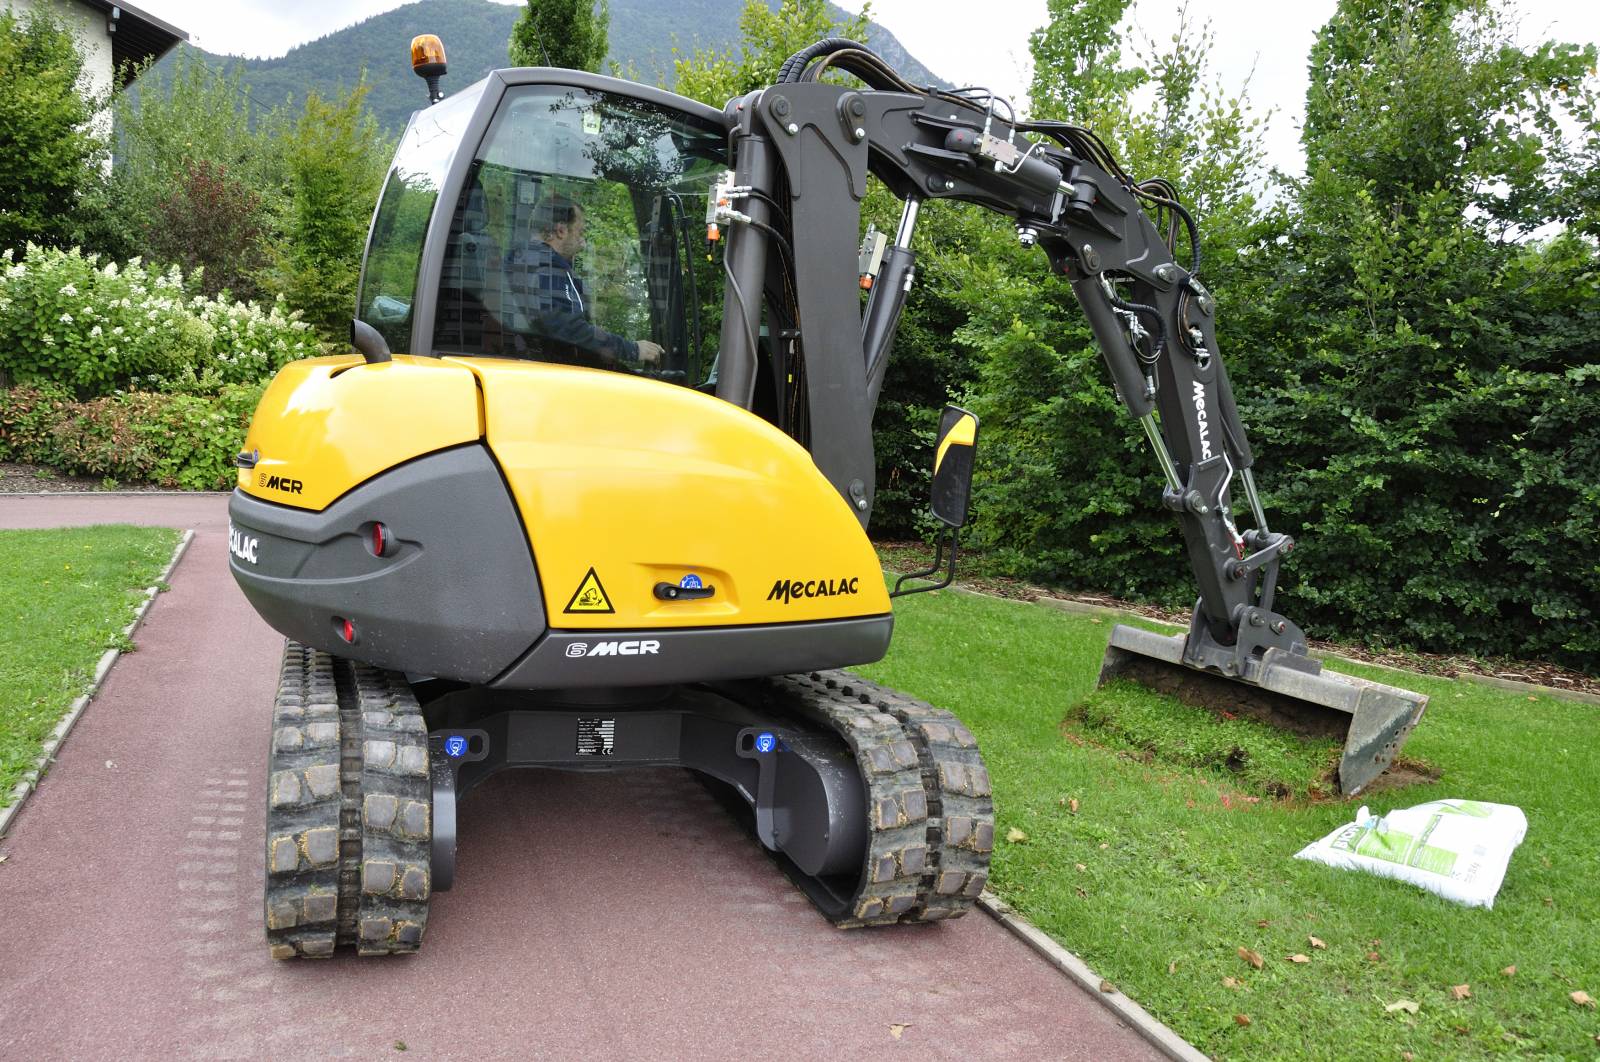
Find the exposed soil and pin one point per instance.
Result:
(908, 556)
(1401, 773)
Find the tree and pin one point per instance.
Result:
(336, 158)
(194, 120)
(1427, 386)
(567, 33)
(211, 225)
(1067, 491)
(47, 133)
(766, 38)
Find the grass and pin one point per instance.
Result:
(65, 596)
(1156, 862)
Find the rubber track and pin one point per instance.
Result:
(897, 805)
(348, 810)
(303, 806)
(960, 802)
(392, 802)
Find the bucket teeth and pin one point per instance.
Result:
(1373, 720)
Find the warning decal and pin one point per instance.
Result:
(590, 596)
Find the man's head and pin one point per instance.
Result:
(559, 222)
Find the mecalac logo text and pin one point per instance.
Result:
(1199, 399)
(283, 483)
(242, 545)
(643, 647)
(786, 590)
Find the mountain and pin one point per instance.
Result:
(475, 33)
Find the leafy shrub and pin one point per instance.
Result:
(179, 440)
(26, 416)
(211, 226)
(67, 319)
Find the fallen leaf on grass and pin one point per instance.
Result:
(1461, 991)
(1172, 967)
(1299, 958)
(1373, 956)
(1406, 1056)
(1582, 999)
(1232, 982)
(1402, 1004)
(1242, 1019)
(1107, 987)
(1252, 957)
(1015, 836)
(1549, 901)
(1315, 943)
(1509, 971)
(1072, 805)
(897, 1028)
(1263, 923)
(1104, 845)
(1081, 867)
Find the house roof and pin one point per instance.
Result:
(136, 36)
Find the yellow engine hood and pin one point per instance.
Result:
(625, 483)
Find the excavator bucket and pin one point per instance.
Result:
(1282, 689)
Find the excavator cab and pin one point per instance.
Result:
(573, 232)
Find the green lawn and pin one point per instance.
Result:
(1167, 867)
(65, 596)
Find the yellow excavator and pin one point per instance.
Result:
(613, 515)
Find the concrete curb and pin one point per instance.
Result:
(1160, 1037)
(52, 744)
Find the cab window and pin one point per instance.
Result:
(579, 238)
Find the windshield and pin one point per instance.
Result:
(394, 250)
(579, 238)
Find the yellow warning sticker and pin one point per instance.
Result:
(590, 596)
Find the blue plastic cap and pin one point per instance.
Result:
(455, 746)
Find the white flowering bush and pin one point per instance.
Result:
(68, 318)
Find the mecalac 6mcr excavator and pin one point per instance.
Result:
(592, 492)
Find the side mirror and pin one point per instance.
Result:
(953, 457)
(952, 493)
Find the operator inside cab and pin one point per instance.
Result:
(576, 236)
(548, 298)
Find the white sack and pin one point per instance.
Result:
(1457, 849)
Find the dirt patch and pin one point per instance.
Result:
(1402, 773)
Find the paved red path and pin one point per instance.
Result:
(594, 916)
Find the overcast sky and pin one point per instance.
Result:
(980, 42)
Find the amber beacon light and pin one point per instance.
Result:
(427, 60)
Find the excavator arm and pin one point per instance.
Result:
(802, 150)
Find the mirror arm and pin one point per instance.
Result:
(938, 559)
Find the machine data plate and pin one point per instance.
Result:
(597, 737)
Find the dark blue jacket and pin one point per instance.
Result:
(547, 298)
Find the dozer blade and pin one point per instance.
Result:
(1285, 690)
